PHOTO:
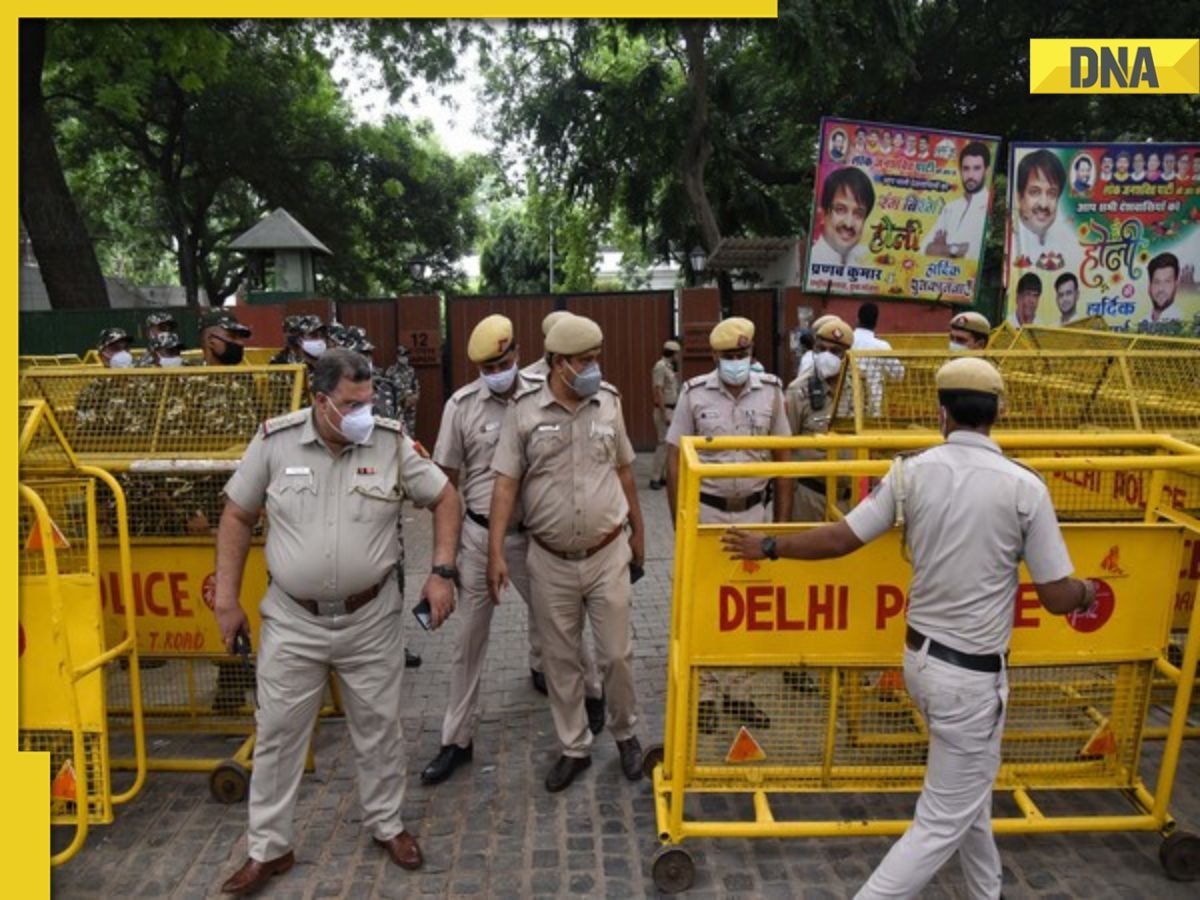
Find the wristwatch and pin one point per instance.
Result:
(450, 573)
(768, 548)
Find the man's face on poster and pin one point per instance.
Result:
(1106, 167)
(972, 170)
(844, 221)
(1163, 284)
(1139, 162)
(1038, 203)
(1083, 169)
(1066, 295)
(1122, 165)
(1027, 303)
(838, 142)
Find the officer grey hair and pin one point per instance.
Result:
(335, 364)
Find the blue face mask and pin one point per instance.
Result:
(587, 382)
(500, 382)
(734, 371)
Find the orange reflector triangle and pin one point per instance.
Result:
(891, 680)
(744, 748)
(749, 565)
(63, 785)
(1102, 742)
(34, 541)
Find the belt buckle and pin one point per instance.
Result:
(331, 607)
(575, 555)
(735, 504)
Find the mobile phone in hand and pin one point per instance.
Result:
(424, 614)
(241, 644)
(635, 573)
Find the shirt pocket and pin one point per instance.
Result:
(373, 501)
(710, 423)
(292, 499)
(603, 441)
(754, 422)
(546, 445)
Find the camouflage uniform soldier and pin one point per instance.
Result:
(290, 353)
(157, 323)
(108, 407)
(408, 389)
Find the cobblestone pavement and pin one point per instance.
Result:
(493, 831)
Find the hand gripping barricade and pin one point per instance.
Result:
(1064, 382)
(820, 643)
(65, 652)
(172, 437)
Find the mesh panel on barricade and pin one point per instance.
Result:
(192, 412)
(67, 502)
(42, 445)
(61, 776)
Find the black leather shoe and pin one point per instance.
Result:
(449, 758)
(564, 772)
(539, 681)
(746, 713)
(254, 875)
(595, 713)
(411, 660)
(707, 719)
(656, 485)
(631, 758)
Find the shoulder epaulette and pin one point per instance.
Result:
(527, 392)
(695, 381)
(282, 423)
(769, 378)
(611, 388)
(389, 424)
(465, 391)
(1036, 474)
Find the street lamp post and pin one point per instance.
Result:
(698, 259)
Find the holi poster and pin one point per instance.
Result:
(899, 211)
(1108, 230)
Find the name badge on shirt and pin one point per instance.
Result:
(601, 430)
(297, 470)
(490, 427)
(542, 428)
(709, 414)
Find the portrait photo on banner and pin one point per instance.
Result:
(899, 211)
(1108, 230)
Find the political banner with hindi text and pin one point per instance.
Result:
(899, 211)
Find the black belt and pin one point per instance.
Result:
(989, 662)
(813, 484)
(734, 504)
(669, 405)
(482, 521)
(353, 603)
(576, 555)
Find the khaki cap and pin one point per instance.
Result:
(490, 339)
(834, 331)
(972, 322)
(673, 346)
(734, 333)
(970, 374)
(553, 319)
(573, 335)
(819, 321)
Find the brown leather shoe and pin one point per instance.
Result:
(403, 850)
(254, 875)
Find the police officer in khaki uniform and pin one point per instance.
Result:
(539, 368)
(564, 452)
(971, 516)
(810, 407)
(731, 400)
(332, 478)
(467, 439)
(664, 387)
(969, 331)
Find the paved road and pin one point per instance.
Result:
(493, 831)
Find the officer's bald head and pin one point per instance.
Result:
(335, 364)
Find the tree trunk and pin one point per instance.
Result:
(60, 241)
(697, 146)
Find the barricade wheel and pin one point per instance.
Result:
(1180, 856)
(651, 758)
(673, 869)
(229, 782)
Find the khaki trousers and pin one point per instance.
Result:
(474, 610)
(565, 592)
(296, 651)
(662, 422)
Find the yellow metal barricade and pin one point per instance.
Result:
(50, 359)
(820, 643)
(64, 655)
(171, 438)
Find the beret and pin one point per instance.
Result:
(734, 333)
(673, 346)
(491, 338)
(834, 331)
(572, 335)
(552, 319)
(970, 374)
(972, 322)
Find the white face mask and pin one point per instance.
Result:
(170, 362)
(357, 425)
(500, 382)
(734, 371)
(957, 346)
(313, 347)
(827, 364)
(122, 359)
